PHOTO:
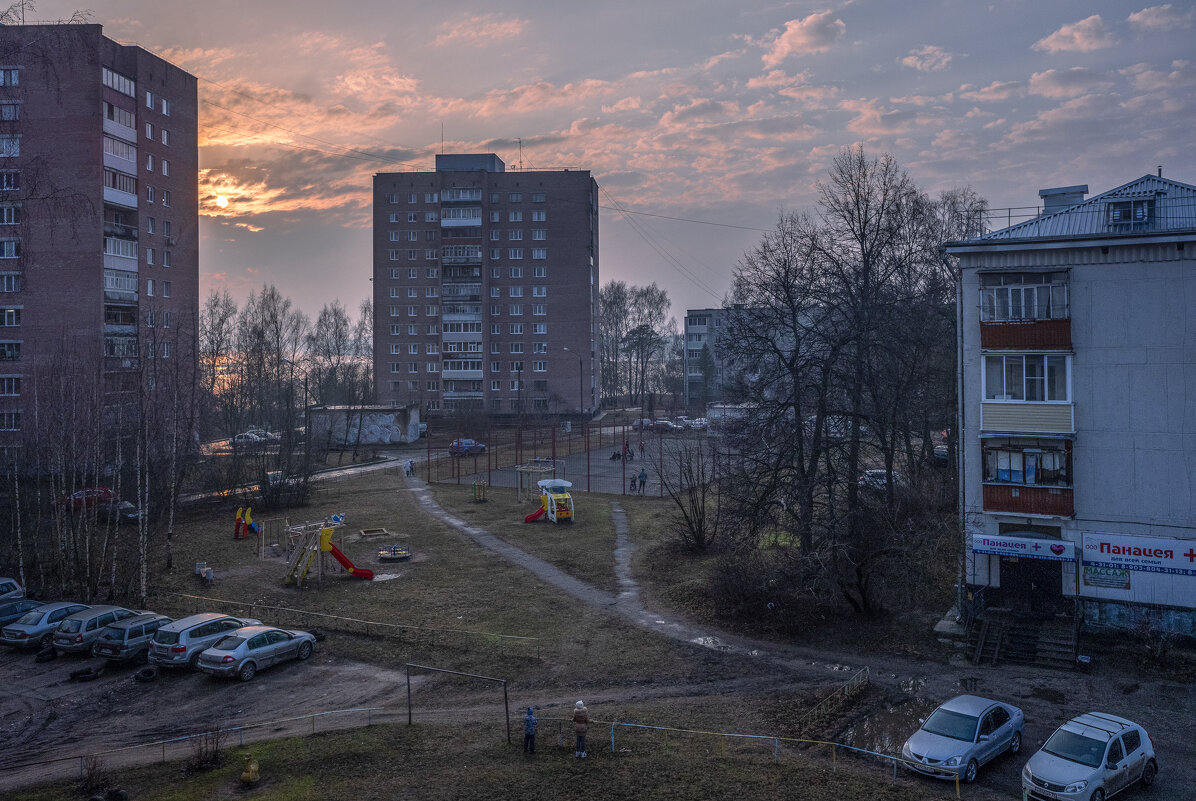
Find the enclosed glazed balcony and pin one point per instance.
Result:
(1025, 311)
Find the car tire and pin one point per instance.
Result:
(146, 674)
(1148, 773)
(304, 651)
(46, 641)
(46, 654)
(1098, 794)
(247, 671)
(193, 660)
(1015, 745)
(969, 773)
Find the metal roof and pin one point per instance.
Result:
(1173, 211)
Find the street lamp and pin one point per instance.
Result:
(581, 403)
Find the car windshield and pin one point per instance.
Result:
(1075, 748)
(229, 643)
(31, 618)
(955, 725)
(164, 637)
(70, 625)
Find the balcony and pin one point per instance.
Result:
(1026, 335)
(1028, 418)
(1029, 500)
(117, 230)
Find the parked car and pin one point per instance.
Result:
(11, 590)
(246, 438)
(255, 648)
(699, 424)
(263, 435)
(423, 429)
(877, 480)
(35, 629)
(128, 640)
(117, 512)
(78, 632)
(12, 610)
(963, 734)
(642, 424)
(663, 426)
(89, 496)
(1090, 758)
(180, 643)
(466, 447)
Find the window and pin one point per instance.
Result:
(10, 351)
(516, 291)
(495, 216)
(539, 271)
(165, 350)
(495, 253)
(431, 216)
(412, 292)
(165, 289)
(1029, 378)
(539, 328)
(412, 236)
(149, 99)
(431, 311)
(413, 367)
(394, 367)
(149, 131)
(515, 234)
(495, 384)
(166, 319)
(166, 258)
(431, 272)
(1132, 740)
(412, 254)
(10, 214)
(495, 234)
(120, 281)
(430, 254)
(515, 253)
(496, 367)
(165, 107)
(165, 197)
(495, 197)
(515, 216)
(539, 310)
(430, 236)
(9, 180)
(10, 145)
(539, 234)
(165, 137)
(149, 255)
(149, 162)
(540, 253)
(538, 197)
(495, 309)
(395, 311)
(165, 167)
(495, 292)
(412, 349)
(515, 197)
(432, 348)
(122, 182)
(110, 78)
(496, 347)
(1029, 462)
(495, 272)
(411, 198)
(539, 292)
(516, 347)
(149, 287)
(1006, 297)
(539, 347)
(516, 309)
(393, 255)
(516, 328)
(412, 311)
(10, 421)
(495, 329)
(431, 292)
(1131, 213)
(150, 223)
(10, 248)
(433, 386)
(430, 197)
(10, 386)
(149, 194)
(540, 367)
(412, 272)
(539, 216)
(10, 318)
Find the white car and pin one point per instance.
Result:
(1090, 758)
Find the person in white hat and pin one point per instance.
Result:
(581, 724)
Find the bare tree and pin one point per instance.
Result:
(686, 474)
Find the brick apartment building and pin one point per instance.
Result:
(486, 288)
(99, 239)
(1079, 385)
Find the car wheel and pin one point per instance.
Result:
(193, 660)
(969, 773)
(46, 641)
(1098, 794)
(304, 651)
(1148, 774)
(1015, 744)
(246, 672)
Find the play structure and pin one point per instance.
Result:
(528, 476)
(310, 541)
(555, 501)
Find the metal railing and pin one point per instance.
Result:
(840, 695)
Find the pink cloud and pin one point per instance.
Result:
(479, 29)
(928, 58)
(794, 87)
(1067, 83)
(813, 34)
(1147, 80)
(993, 93)
(1083, 36)
(872, 119)
(1157, 19)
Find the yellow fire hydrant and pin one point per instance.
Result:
(250, 774)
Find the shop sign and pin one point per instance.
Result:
(1025, 547)
(1111, 578)
(1148, 554)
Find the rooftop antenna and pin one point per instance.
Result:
(1160, 170)
(520, 141)
(442, 137)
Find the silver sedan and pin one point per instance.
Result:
(963, 734)
(252, 648)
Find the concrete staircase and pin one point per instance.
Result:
(999, 636)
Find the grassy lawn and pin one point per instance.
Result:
(453, 760)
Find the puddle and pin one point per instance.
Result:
(887, 730)
(711, 642)
(386, 576)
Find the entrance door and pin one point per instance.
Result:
(1032, 585)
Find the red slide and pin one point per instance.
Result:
(360, 572)
(536, 515)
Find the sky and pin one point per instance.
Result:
(701, 121)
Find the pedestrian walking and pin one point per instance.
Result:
(643, 480)
(581, 724)
(529, 732)
(631, 485)
(641, 449)
(410, 467)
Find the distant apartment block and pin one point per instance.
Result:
(486, 288)
(1079, 377)
(99, 239)
(704, 362)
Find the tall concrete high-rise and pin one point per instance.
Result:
(99, 210)
(486, 288)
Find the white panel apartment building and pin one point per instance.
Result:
(1079, 406)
